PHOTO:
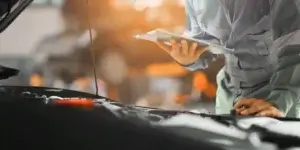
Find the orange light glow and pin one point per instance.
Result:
(121, 4)
(36, 80)
(171, 69)
(202, 84)
(75, 102)
(181, 2)
(142, 4)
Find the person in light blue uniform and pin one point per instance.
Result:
(261, 75)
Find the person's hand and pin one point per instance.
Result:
(182, 52)
(257, 107)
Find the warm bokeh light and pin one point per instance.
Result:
(121, 4)
(137, 4)
(142, 4)
(152, 3)
(181, 2)
(171, 69)
(36, 80)
(203, 85)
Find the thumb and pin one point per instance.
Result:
(200, 51)
(164, 46)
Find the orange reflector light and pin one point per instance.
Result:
(75, 102)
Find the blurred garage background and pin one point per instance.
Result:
(50, 44)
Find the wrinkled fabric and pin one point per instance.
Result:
(265, 37)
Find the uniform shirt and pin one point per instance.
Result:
(265, 38)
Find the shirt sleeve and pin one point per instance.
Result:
(285, 52)
(194, 30)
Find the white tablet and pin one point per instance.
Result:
(164, 36)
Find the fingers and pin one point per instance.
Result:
(193, 49)
(175, 46)
(199, 52)
(182, 48)
(254, 109)
(239, 110)
(248, 107)
(257, 107)
(244, 103)
(270, 112)
(185, 47)
(265, 113)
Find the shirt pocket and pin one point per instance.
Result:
(261, 35)
(251, 78)
(261, 42)
(254, 52)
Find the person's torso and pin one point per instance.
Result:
(243, 25)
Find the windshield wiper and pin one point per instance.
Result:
(6, 72)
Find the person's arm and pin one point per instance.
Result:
(193, 30)
(285, 82)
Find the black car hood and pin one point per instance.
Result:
(6, 72)
(9, 11)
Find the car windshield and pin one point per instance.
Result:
(70, 44)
